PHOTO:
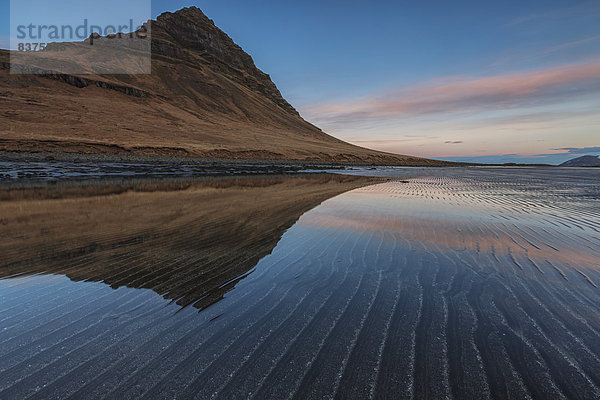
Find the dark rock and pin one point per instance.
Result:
(585, 161)
(185, 33)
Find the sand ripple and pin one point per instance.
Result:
(461, 283)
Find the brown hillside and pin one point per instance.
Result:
(204, 98)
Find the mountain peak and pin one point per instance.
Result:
(584, 161)
(188, 34)
(190, 15)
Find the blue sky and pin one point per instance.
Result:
(465, 80)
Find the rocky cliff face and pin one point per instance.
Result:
(189, 33)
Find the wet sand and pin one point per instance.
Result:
(188, 240)
(442, 283)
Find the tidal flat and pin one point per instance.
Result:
(387, 283)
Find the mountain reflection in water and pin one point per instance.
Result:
(188, 241)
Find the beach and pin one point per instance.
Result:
(404, 283)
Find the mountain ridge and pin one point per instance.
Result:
(210, 40)
(204, 98)
(583, 161)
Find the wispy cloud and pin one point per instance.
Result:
(588, 9)
(383, 141)
(580, 150)
(581, 49)
(467, 95)
(570, 44)
(563, 154)
(525, 19)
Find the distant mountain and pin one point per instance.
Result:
(585, 161)
(204, 98)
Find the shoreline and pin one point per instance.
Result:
(194, 160)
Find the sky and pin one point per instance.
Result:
(482, 81)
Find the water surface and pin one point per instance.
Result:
(441, 283)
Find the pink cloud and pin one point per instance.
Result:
(464, 94)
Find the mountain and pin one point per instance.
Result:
(585, 161)
(205, 98)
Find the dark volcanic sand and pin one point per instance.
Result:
(445, 283)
